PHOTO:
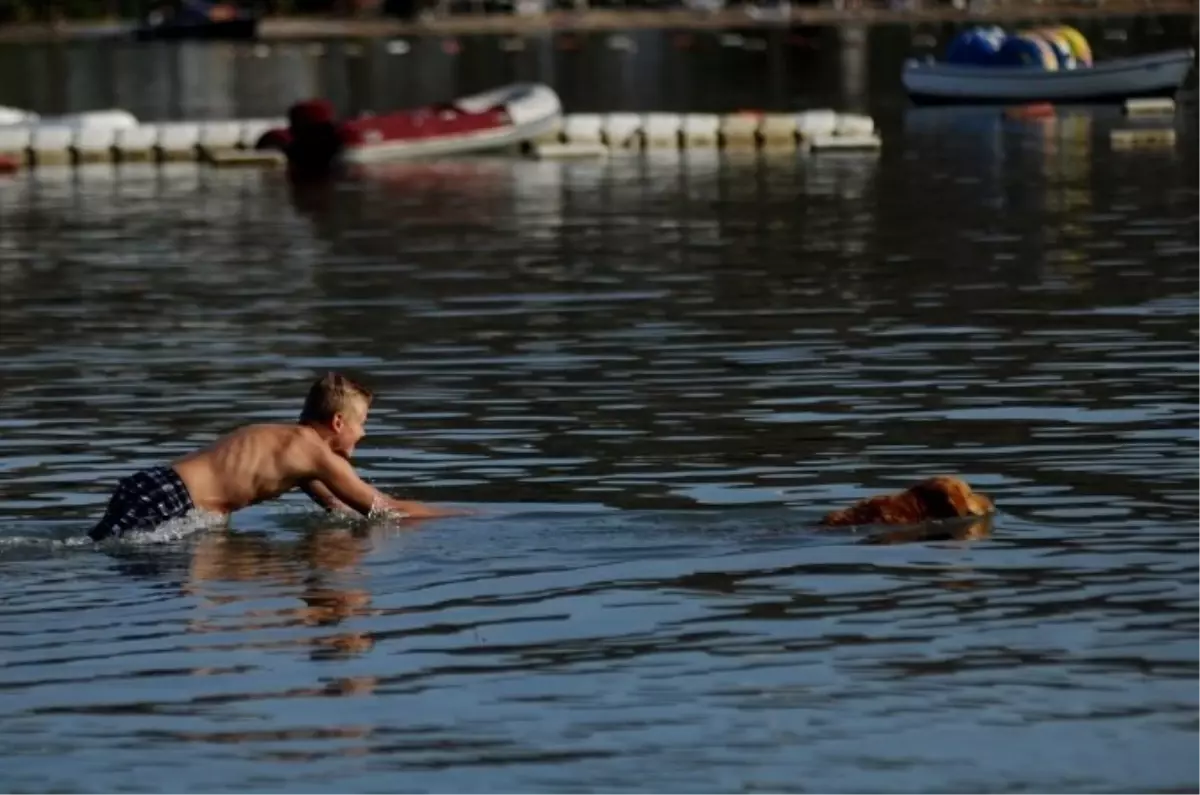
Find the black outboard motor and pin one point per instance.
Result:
(314, 144)
(311, 142)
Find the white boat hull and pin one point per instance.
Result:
(1155, 75)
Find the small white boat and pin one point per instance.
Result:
(1157, 75)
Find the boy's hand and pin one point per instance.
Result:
(420, 510)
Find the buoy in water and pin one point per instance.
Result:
(1058, 45)
(1078, 43)
(1163, 138)
(1149, 106)
(976, 46)
(1034, 110)
(1027, 50)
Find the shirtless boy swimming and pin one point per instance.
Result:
(259, 462)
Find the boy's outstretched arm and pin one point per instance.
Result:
(319, 493)
(421, 510)
(337, 476)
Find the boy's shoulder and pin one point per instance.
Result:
(266, 429)
(295, 443)
(275, 433)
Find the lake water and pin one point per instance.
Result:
(650, 376)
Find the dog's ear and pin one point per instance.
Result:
(943, 498)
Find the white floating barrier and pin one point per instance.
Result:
(115, 119)
(853, 124)
(14, 141)
(558, 151)
(94, 144)
(234, 158)
(623, 130)
(1150, 106)
(777, 130)
(104, 135)
(661, 130)
(51, 144)
(587, 128)
(700, 130)
(253, 129)
(220, 135)
(16, 116)
(845, 142)
(178, 140)
(136, 143)
(815, 123)
(1160, 138)
(739, 131)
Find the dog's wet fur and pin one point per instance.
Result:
(972, 529)
(936, 498)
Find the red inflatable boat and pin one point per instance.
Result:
(316, 140)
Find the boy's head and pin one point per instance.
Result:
(338, 405)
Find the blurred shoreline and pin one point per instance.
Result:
(284, 28)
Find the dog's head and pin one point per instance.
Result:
(949, 497)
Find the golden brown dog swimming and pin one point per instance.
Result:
(940, 497)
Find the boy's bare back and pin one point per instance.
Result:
(253, 464)
(260, 462)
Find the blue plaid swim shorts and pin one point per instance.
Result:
(143, 501)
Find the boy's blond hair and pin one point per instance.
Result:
(332, 394)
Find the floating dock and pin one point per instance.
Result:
(85, 138)
(1149, 115)
(805, 130)
(116, 137)
(1150, 106)
(1158, 138)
